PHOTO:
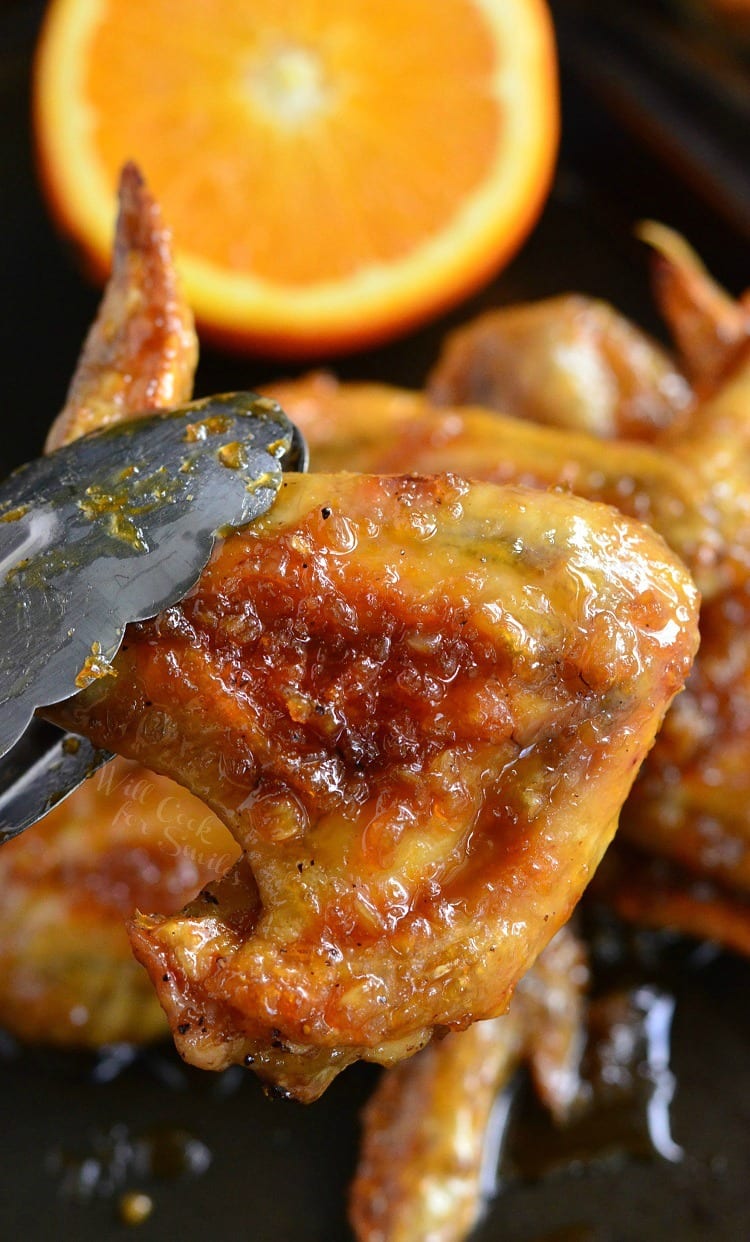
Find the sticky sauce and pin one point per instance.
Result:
(198, 433)
(629, 1088)
(94, 667)
(13, 515)
(233, 455)
(261, 480)
(122, 505)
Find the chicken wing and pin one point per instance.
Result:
(126, 838)
(692, 801)
(418, 704)
(400, 800)
(570, 362)
(141, 352)
(426, 1125)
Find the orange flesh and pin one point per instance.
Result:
(332, 107)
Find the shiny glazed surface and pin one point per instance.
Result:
(418, 704)
(692, 801)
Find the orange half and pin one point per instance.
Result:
(335, 171)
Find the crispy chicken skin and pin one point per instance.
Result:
(418, 704)
(425, 1126)
(141, 352)
(122, 840)
(571, 362)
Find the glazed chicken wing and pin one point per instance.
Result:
(692, 801)
(126, 838)
(375, 773)
(418, 704)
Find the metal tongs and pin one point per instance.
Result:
(110, 530)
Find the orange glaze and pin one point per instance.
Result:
(418, 704)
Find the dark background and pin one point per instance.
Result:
(280, 1171)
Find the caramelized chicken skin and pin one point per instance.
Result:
(418, 704)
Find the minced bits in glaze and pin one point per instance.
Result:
(418, 704)
(94, 667)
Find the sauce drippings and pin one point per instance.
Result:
(628, 1085)
(117, 1157)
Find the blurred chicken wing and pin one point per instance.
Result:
(655, 892)
(570, 362)
(708, 326)
(426, 1125)
(126, 839)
